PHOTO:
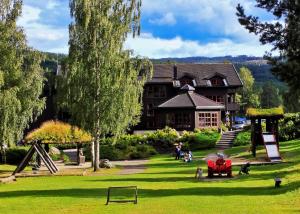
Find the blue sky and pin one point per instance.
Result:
(170, 28)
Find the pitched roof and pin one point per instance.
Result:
(187, 87)
(200, 72)
(191, 100)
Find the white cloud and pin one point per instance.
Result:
(218, 17)
(167, 19)
(29, 14)
(42, 36)
(153, 47)
(51, 4)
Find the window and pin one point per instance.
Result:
(150, 124)
(150, 110)
(156, 91)
(208, 119)
(186, 80)
(182, 118)
(217, 81)
(218, 99)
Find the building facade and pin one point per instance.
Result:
(189, 96)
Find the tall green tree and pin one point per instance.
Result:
(104, 84)
(284, 35)
(249, 96)
(21, 77)
(270, 96)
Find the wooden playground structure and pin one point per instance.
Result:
(52, 132)
(270, 137)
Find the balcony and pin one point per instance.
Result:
(232, 107)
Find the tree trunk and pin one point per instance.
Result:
(92, 154)
(97, 155)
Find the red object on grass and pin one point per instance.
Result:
(219, 167)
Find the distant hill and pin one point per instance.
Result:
(258, 66)
(261, 71)
(218, 59)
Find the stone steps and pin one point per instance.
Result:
(226, 140)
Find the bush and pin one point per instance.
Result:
(55, 157)
(163, 140)
(289, 127)
(14, 156)
(243, 138)
(201, 139)
(109, 152)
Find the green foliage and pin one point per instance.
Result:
(55, 157)
(289, 127)
(104, 83)
(270, 96)
(249, 97)
(15, 155)
(201, 139)
(58, 132)
(224, 127)
(163, 139)
(163, 186)
(265, 112)
(243, 138)
(283, 34)
(21, 77)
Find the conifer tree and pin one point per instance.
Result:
(284, 35)
(21, 77)
(104, 83)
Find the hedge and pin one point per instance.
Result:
(243, 138)
(289, 127)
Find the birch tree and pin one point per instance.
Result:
(21, 77)
(104, 83)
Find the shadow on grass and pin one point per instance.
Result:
(153, 193)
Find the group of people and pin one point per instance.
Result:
(180, 154)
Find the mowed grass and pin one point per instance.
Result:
(167, 186)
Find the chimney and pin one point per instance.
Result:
(175, 72)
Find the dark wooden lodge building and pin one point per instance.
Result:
(189, 96)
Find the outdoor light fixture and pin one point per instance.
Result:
(277, 182)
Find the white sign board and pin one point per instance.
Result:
(272, 151)
(269, 138)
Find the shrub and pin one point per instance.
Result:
(55, 157)
(201, 139)
(289, 126)
(15, 155)
(243, 138)
(58, 132)
(109, 152)
(163, 140)
(132, 140)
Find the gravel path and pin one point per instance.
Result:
(131, 167)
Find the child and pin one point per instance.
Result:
(199, 173)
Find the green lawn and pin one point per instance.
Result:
(167, 186)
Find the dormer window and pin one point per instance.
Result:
(186, 80)
(217, 81)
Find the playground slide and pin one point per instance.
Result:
(271, 147)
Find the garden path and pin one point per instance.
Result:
(130, 166)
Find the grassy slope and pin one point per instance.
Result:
(167, 186)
